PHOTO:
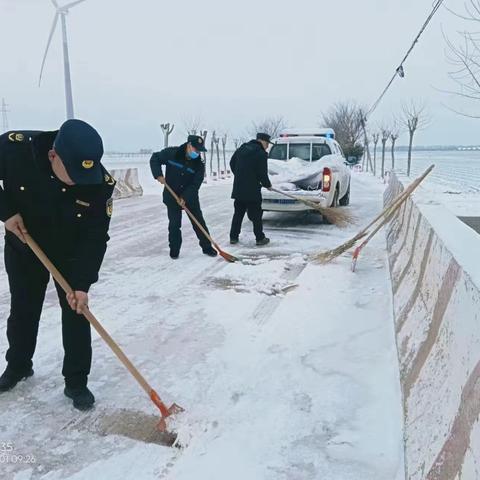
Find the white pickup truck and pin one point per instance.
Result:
(308, 164)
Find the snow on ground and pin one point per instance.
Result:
(286, 369)
(455, 181)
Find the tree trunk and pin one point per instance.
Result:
(367, 145)
(384, 147)
(393, 154)
(410, 146)
(375, 160)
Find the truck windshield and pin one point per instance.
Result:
(299, 150)
(278, 152)
(319, 151)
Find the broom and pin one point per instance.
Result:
(223, 254)
(336, 216)
(384, 217)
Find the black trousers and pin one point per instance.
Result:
(175, 223)
(28, 281)
(254, 212)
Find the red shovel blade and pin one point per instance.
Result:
(166, 412)
(225, 255)
(356, 254)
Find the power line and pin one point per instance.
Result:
(400, 71)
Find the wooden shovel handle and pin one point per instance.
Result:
(190, 214)
(60, 279)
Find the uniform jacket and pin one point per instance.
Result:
(70, 223)
(183, 175)
(249, 165)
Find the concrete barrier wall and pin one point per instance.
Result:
(127, 184)
(435, 270)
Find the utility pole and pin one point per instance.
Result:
(4, 116)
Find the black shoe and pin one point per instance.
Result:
(211, 252)
(82, 397)
(174, 254)
(263, 241)
(233, 241)
(9, 379)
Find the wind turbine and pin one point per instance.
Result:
(62, 12)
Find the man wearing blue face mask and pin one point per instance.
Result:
(184, 173)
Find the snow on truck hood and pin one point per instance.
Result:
(295, 171)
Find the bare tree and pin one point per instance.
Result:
(192, 124)
(224, 152)
(415, 118)
(271, 125)
(376, 138)
(204, 135)
(212, 147)
(167, 130)
(346, 119)
(385, 135)
(464, 57)
(394, 135)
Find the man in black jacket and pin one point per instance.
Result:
(249, 166)
(184, 173)
(56, 190)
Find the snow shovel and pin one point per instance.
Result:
(338, 217)
(154, 397)
(389, 212)
(225, 255)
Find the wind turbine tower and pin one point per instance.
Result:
(62, 12)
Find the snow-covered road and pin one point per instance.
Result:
(287, 370)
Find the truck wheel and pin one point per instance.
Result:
(333, 205)
(335, 198)
(345, 200)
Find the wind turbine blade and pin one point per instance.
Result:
(52, 31)
(70, 5)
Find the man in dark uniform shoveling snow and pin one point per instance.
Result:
(249, 166)
(56, 190)
(184, 173)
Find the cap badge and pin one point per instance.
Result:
(16, 137)
(88, 164)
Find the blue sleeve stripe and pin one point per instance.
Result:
(179, 165)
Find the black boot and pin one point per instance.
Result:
(263, 241)
(10, 378)
(210, 251)
(174, 254)
(233, 241)
(82, 397)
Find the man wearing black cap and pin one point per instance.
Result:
(56, 190)
(184, 173)
(249, 166)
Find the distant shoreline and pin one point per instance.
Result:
(401, 148)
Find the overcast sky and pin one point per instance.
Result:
(136, 64)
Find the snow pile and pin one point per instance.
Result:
(296, 173)
(259, 275)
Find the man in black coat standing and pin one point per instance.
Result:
(184, 173)
(249, 166)
(56, 190)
